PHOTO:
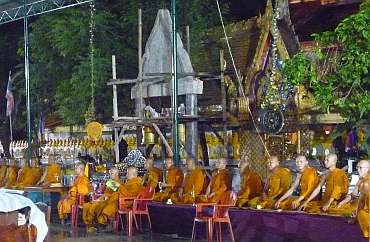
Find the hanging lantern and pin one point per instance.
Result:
(149, 136)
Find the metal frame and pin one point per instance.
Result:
(37, 8)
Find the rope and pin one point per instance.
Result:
(239, 79)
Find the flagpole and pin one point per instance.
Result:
(11, 127)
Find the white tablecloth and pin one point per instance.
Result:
(11, 202)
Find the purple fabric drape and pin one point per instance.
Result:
(258, 226)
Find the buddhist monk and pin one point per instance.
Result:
(220, 183)
(172, 183)
(28, 175)
(131, 188)
(348, 205)
(307, 179)
(153, 174)
(278, 183)
(3, 169)
(11, 175)
(81, 186)
(93, 209)
(363, 216)
(194, 184)
(336, 188)
(251, 184)
(52, 174)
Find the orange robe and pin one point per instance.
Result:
(153, 176)
(309, 181)
(2, 174)
(193, 187)
(80, 186)
(336, 186)
(131, 188)
(251, 187)
(28, 176)
(11, 179)
(363, 216)
(220, 183)
(93, 209)
(174, 178)
(277, 185)
(53, 171)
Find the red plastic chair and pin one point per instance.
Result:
(80, 201)
(202, 217)
(221, 213)
(124, 210)
(140, 206)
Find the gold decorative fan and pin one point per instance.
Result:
(94, 130)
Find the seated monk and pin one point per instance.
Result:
(173, 181)
(251, 184)
(153, 174)
(348, 205)
(28, 175)
(307, 179)
(278, 183)
(336, 188)
(11, 175)
(193, 186)
(220, 183)
(81, 186)
(131, 188)
(363, 216)
(3, 169)
(52, 174)
(93, 209)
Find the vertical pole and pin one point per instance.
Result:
(140, 100)
(140, 56)
(175, 135)
(188, 39)
(114, 76)
(115, 108)
(11, 127)
(223, 96)
(27, 77)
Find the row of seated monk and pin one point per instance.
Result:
(14, 176)
(194, 187)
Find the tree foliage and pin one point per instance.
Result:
(338, 75)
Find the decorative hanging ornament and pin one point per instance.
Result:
(271, 121)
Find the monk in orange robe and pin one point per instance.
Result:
(11, 175)
(348, 205)
(251, 184)
(278, 183)
(93, 209)
(153, 174)
(173, 182)
(131, 188)
(52, 174)
(28, 175)
(81, 186)
(307, 179)
(220, 183)
(3, 169)
(194, 184)
(363, 216)
(336, 188)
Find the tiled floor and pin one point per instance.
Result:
(60, 233)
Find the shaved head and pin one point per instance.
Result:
(149, 162)
(114, 173)
(331, 161)
(131, 172)
(169, 162)
(79, 169)
(363, 167)
(273, 162)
